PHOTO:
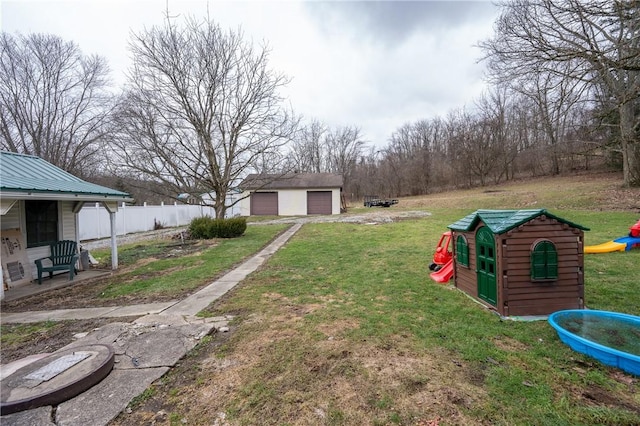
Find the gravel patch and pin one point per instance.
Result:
(375, 216)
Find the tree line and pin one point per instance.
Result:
(201, 109)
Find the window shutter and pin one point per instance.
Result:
(462, 251)
(537, 264)
(544, 261)
(552, 262)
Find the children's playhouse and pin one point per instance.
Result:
(520, 262)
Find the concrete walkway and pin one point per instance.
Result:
(144, 349)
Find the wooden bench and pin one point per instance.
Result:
(64, 255)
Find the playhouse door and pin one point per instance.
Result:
(486, 265)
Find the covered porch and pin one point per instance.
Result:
(39, 205)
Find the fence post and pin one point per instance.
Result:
(124, 219)
(97, 215)
(161, 211)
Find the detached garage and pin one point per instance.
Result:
(294, 194)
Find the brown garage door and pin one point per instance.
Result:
(264, 204)
(319, 202)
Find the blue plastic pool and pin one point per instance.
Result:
(610, 337)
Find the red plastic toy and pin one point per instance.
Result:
(635, 230)
(443, 253)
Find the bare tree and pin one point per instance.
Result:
(201, 110)
(367, 178)
(596, 42)
(54, 101)
(410, 156)
(320, 149)
(308, 150)
(498, 110)
(344, 146)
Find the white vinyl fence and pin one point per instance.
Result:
(93, 219)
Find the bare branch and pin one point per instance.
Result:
(54, 102)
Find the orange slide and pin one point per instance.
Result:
(443, 274)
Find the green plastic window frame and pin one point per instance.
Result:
(544, 261)
(462, 251)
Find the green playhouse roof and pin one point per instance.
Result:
(501, 221)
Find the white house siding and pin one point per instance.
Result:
(68, 222)
(12, 220)
(293, 202)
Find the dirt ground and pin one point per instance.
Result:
(86, 293)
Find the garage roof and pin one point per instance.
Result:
(291, 181)
(501, 221)
(27, 176)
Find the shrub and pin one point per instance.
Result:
(232, 228)
(207, 227)
(198, 228)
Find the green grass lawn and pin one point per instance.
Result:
(343, 326)
(175, 274)
(370, 285)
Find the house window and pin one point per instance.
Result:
(462, 251)
(42, 222)
(544, 261)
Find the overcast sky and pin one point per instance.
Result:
(374, 65)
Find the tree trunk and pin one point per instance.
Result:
(630, 146)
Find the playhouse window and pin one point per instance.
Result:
(544, 261)
(462, 251)
(42, 222)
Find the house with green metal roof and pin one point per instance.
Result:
(520, 262)
(39, 203)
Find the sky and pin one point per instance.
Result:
(375, 65)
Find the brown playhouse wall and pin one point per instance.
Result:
(517, 293)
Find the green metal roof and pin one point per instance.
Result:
(28, 175)
(501, 221)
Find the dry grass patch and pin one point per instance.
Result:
(593, 191)
(338, 328)
(508, 344)
(278, 370)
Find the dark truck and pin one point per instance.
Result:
(375, 201)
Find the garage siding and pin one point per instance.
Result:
(264, 204)
(319, 202)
